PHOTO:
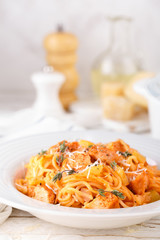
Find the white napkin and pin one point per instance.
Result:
(28, 122)
(5, 212)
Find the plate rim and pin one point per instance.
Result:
(99, 213)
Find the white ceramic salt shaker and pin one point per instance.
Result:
(47, 84)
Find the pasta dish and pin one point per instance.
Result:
(83, 174)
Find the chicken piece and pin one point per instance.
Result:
(73, 146)
(41, 193)
(21, 186)
(65, 146)
(147, 197)
(101, 202)
(104, 154)
(109, 152)
(87, 195)
(30, 191)
(76, 161)
(139, 184)
(118, 145)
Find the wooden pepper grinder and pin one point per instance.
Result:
(61, 54)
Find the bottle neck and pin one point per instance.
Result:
(120, 37)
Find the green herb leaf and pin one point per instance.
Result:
(90, 146)
(63, 147)
(115, 192)
(118, 194)
(72, 171)
(58, 176)
(101, 192)
(59, 159)
(62, 158)
(102, 145)
(125, 154)
(42, 152)
(113, 164)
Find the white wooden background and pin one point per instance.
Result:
(23, 226)
(24, 23)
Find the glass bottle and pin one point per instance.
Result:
(117, 63)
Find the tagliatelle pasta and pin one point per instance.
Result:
(83, 174)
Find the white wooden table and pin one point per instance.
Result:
(23, 226)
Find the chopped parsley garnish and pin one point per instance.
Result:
(42, 152)
(125, 154)
(62, 147)
(113, 164)
(115, 192)
(58, 176)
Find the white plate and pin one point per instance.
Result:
(14, 153)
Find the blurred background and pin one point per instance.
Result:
(98, 27)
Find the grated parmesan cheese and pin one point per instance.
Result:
(88, 173)
(137, 171)
(50, 188)
(97, 162)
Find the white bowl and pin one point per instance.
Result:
(15, 153)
